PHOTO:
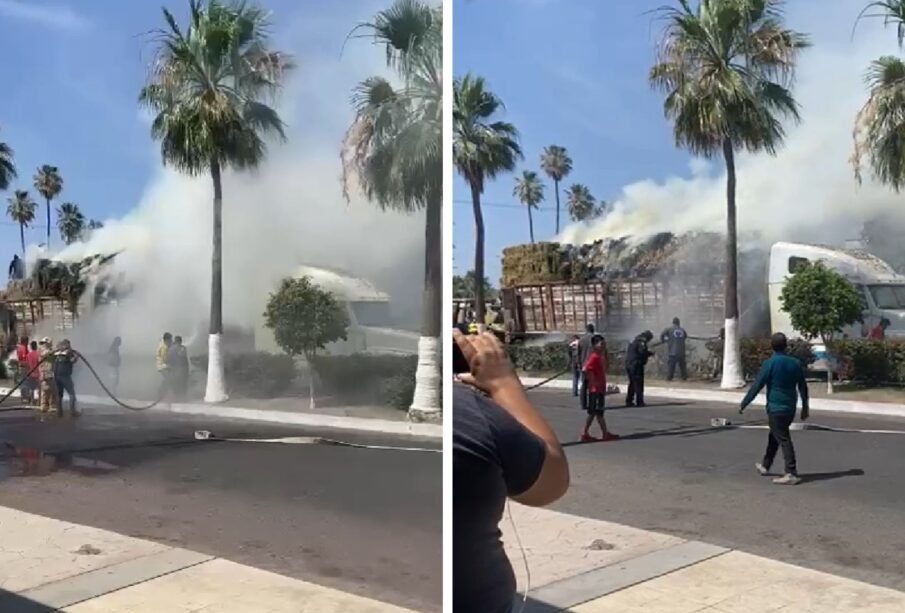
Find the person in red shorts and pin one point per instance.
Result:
(595, 371)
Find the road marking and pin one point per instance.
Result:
(94, 583)
(567, 593)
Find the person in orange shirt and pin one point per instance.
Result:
(595, 371)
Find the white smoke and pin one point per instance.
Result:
(289, 213)
(807, 192)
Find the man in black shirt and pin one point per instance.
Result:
(502, 448)
(636, 357)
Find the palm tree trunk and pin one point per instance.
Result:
(556, 187)
(530, 224)
(216, 384)
(48, 223)
(732, 359)
(426, 401)
(22, 237)
(479, 306)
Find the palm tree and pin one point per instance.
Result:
(206, 88)
(394, 148)
(880, 127)
(555, 161)
(726, 68)
(49, 184)
(482, 149)
(582, 205)
(530, 192)
(71, 222)
(7, 166)
(21, 210)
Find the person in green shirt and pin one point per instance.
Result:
(783, 376)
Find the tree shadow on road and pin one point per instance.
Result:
(13, 603)
(814, 477)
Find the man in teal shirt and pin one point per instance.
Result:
(783, 376)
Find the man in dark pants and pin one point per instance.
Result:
(574, 365)
(636, 357)
(783, 376)
(62, 374)
(585, 344)
(674, 337)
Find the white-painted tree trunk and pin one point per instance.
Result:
(733, 377)
(311, 404)
(426, 401)
(216, 381)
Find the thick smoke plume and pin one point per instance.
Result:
(807, 192)
(289, 213)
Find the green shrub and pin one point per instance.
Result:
(755, 351)
(871, 362)
(255, 375)
(398, 391)
(362, 376)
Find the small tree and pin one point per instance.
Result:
(820, 303)
(305, 319)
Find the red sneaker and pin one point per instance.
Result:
(587, 438)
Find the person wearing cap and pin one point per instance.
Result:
(48, 385)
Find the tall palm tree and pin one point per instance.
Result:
(555, 161)
(482, 149)
(880, 126)
(71, 222)
(21, 210)
(7, 166)
(206, 89)
(726, 68)
(530, 192)
(394, 148)
(582, 205)
(49, 184)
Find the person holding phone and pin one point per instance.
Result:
(502, 448)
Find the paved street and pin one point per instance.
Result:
(360, 520)
(675, 474)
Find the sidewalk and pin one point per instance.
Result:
(49, 565)
(703, 392)
(289, 414)
(591, 566)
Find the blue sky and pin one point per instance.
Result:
(574, 73)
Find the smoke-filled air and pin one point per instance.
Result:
(288, 213)
(807, 192)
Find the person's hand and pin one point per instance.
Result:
(741, 410)
(805, 413)
(489, 367)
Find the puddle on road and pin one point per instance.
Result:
(31, 462)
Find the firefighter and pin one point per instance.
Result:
(636, 357)
(48, 384)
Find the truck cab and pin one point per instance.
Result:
(881, 289)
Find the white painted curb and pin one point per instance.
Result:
(362, 424)
(854, 407)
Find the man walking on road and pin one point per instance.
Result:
(585, 344)
(636, 357)
(783, 376)
(674, 337)
(595, 371)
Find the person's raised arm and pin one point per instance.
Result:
(492, 372)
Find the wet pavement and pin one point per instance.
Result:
(368, 521)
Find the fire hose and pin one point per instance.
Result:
(112, 396)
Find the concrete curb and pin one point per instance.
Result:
(600, 582)
(316, 420)
(852, 407)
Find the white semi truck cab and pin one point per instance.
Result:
(881, 289)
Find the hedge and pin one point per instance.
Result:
(255, 374)
(366, 377)
(756, 350)
(871, 362)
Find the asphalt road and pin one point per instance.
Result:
(360, 520)
(673, 473)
